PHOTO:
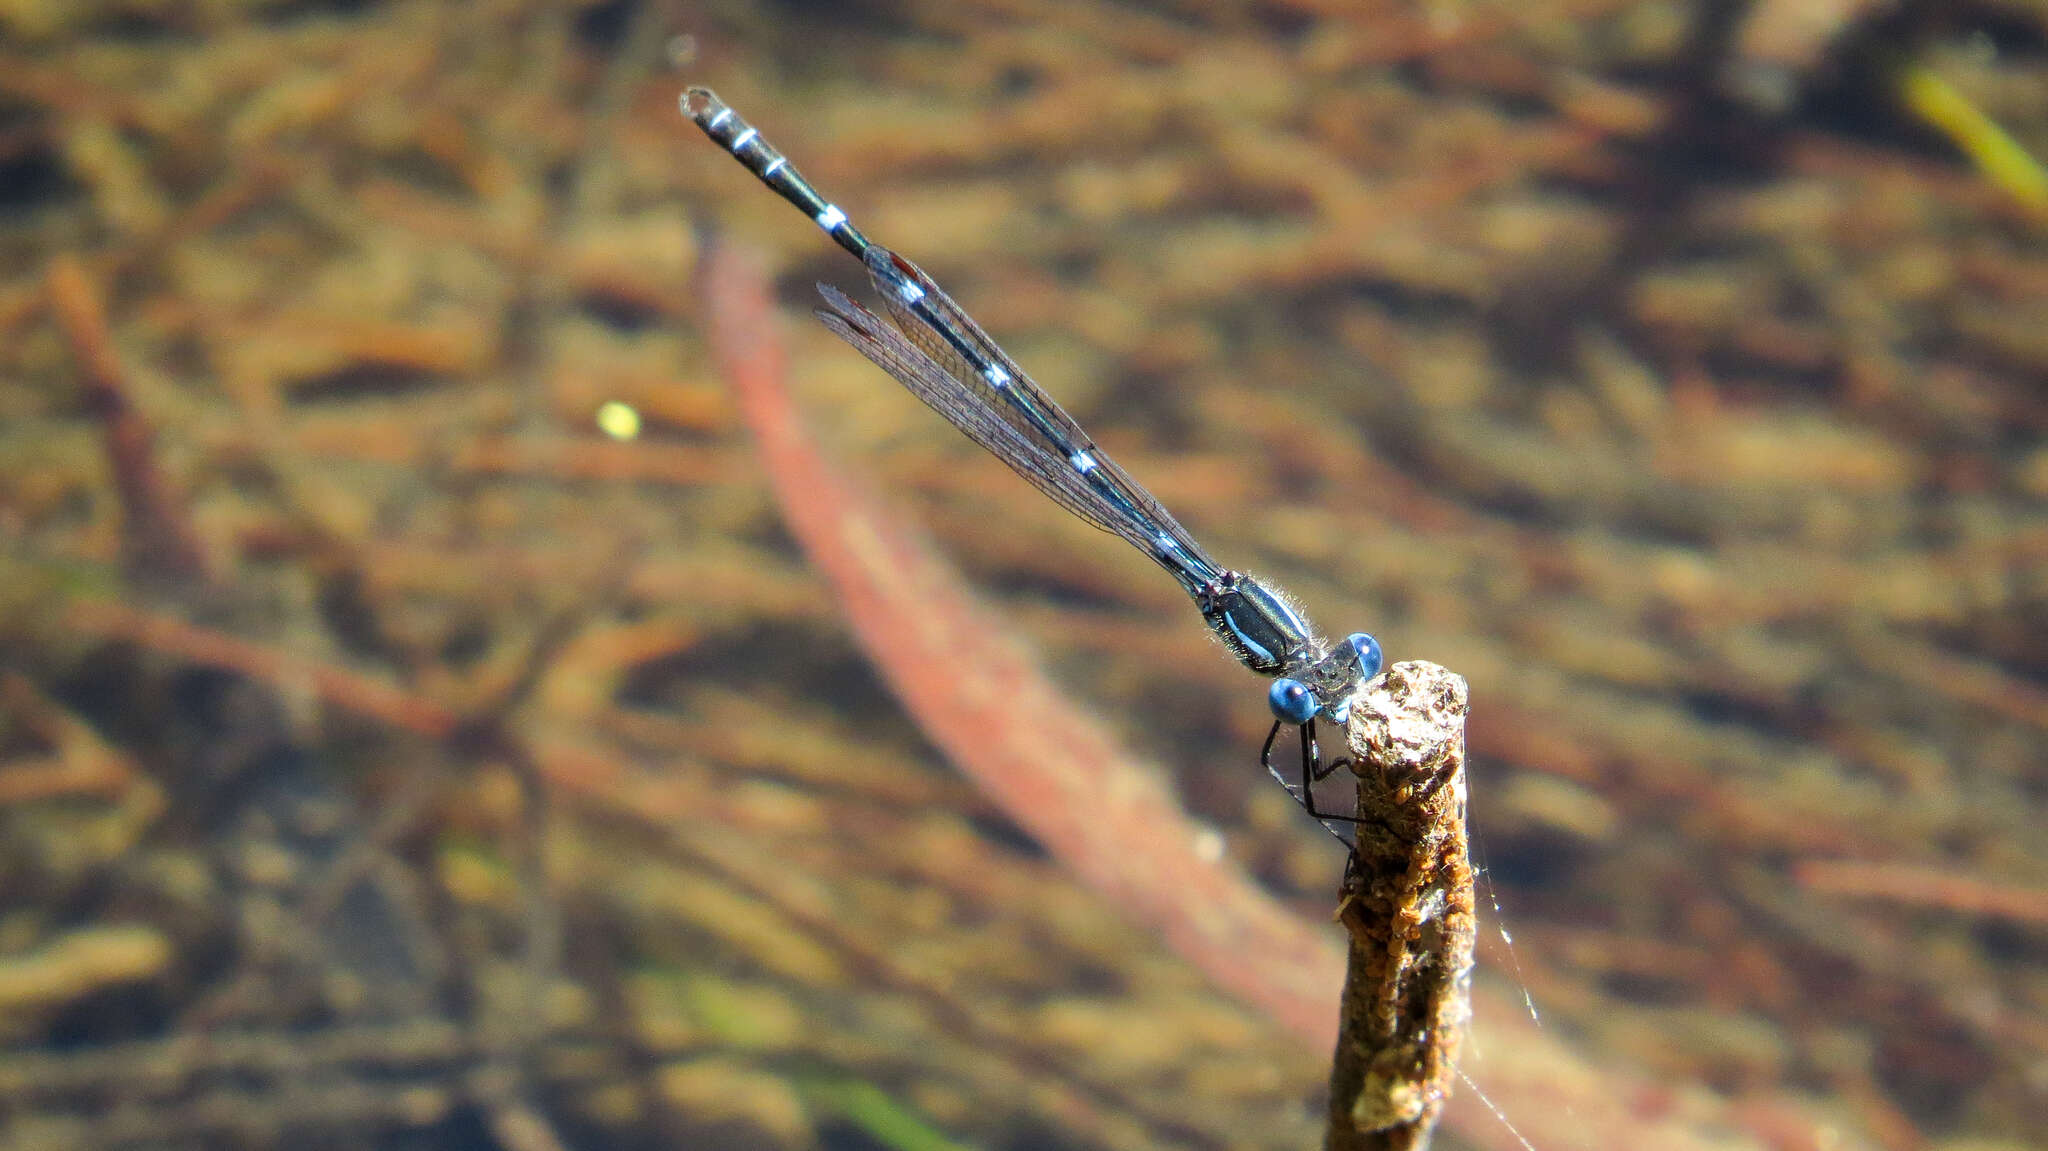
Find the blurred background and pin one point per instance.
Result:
(392, 756)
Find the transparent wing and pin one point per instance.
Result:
(938, 374)
(883, 345)
(1109, 497)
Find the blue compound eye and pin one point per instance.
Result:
(1292, 701)
(1368, 649)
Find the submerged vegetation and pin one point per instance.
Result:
(387, 751)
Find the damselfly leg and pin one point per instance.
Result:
(1312, 771)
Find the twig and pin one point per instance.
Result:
(156, 534)
(352, 691)
(1915, 886)
(79, 762)
(1409, 908)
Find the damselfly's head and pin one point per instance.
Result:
(1326, 687)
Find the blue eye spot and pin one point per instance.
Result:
(1292, 701)
(1368, 649)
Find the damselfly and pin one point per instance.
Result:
(944, 357)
